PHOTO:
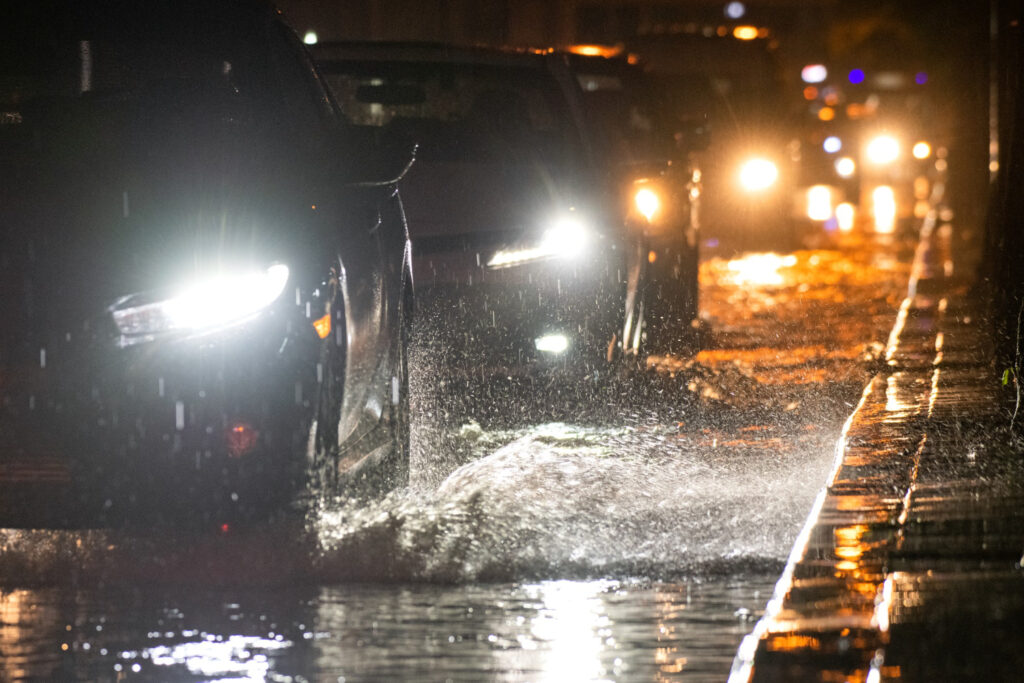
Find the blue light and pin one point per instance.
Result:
(921, 78)
(856, 76)
(832, 144)
(735, 10)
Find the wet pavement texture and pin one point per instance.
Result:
(628, 527)
(909, 567)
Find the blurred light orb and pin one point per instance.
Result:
(310, 38)
(735, 10)
(921, 78)
(826, 114)
(845, 214)
(883, 149)
(883, 205)
(845, 167)
(832, 144)
(922, 150)
(745, 32)
(814, 73)
(819, 203)
(758, 174)
(856, 76)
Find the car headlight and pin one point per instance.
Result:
(647, 202)
(758, 174)
(566, 238)
(883, 149)
(845, 167)
(204, 305)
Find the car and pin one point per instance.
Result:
(732, 81)
(650, 156)
(523, 258)
(206, 276)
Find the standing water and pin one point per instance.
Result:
(625, 529)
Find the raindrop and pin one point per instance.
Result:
(42, 358)
(160, 387)
(179, 415)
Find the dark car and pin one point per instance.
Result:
(647, 155)
(522, 255)
(750, 171)
(205, 274)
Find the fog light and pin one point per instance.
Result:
(552, 343)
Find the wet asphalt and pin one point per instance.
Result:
(909, 568)
(627, 527)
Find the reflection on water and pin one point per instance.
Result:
(547, 631)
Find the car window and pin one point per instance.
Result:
(459, 112)
(629, 120)
(96, 64)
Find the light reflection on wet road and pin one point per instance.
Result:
(625, 529)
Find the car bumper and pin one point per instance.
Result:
(511, 319)
(221, 419)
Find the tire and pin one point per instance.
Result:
(323, 478)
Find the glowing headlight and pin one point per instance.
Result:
(758, 174)
(566, 238)
(883, 205)
(883, 150)
(204, 305)
(845, 167)
(552, 343)
(922, 150)
(647, 202)
(819, 203)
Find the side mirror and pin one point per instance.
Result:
(375, 156)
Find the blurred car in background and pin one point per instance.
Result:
(872, 148)
(731, 81)
(647, 156)
(522, 257)
(205, 276)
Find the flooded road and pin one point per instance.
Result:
(624, 528)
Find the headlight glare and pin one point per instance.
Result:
(647, 202)
(758, 174)
(883, 149)
(204, 305)
(567, 237)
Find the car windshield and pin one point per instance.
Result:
(84, 68)
(629, 121)
(460, 112)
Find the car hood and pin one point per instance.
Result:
(480, 202)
